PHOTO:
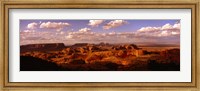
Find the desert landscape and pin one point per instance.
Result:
(98, 57)
(99, 45)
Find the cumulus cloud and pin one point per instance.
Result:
(177, 26)
(60, 33)
(80, 34)
(40, 22)
(95, 23)
(70, 36)
(32, 25)
(29, 31)
(167, 33)
(114, 23)
(54, 25)
(85, 30)
(167, 26)
(40, 37)
(163, 31)
(149, 29)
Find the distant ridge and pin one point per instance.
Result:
(158, 45)
(42, 47)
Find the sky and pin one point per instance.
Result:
(70, 32)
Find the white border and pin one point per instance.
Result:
(15, 75)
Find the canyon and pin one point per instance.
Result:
(97, 57)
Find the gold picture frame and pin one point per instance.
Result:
(5, 85)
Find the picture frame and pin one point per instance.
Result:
(109, 4)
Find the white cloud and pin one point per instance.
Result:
(164, 31)
(62, 32)
(69, 36)
(175, 33)
(114, 23)
(177, 26)
(95, 23)
(32, 25)
(167, 26)
(85, 30)
(149, 29)
(28, 31)
(54, 25)
(41, 37)
(40, 22)
(86, 35)
(112, 33)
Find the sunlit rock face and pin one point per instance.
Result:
(103, 56)
(172, 55)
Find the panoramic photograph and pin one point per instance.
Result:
(99, 45)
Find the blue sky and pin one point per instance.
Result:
(168, 31)
(133, 25)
